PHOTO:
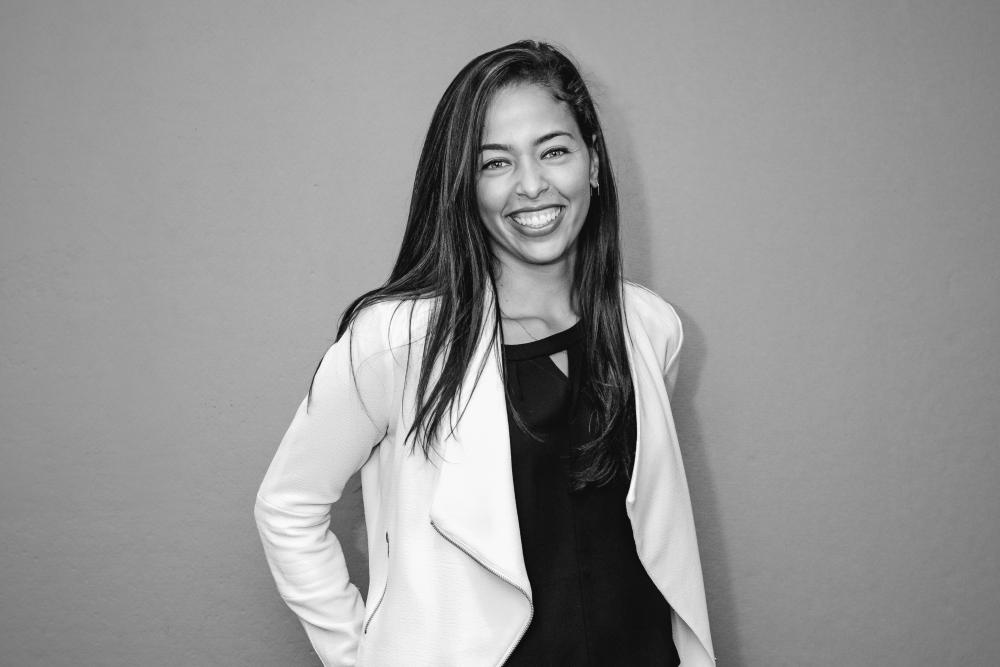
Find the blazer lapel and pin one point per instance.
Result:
(473, 504)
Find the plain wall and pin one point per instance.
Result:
(191, 193)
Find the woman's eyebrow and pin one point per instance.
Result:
(538, 142)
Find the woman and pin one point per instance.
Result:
(517, 510)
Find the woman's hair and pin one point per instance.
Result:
(445, 255)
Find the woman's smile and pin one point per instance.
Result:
(539, 221)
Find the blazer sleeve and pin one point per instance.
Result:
(344, 416)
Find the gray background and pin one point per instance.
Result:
(191, 192)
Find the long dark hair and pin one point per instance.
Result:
(445, 255)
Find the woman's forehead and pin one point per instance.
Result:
(525, 112)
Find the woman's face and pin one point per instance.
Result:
(535, 175)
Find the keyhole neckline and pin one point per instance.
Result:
(557, 342)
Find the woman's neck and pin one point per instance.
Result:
(538, 296)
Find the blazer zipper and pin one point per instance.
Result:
(385, 586)
(531, 605)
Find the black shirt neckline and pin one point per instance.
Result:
(547, 346)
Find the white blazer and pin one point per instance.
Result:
(448, 585)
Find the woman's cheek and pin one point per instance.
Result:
(492, 197)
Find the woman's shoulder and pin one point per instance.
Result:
(658, 319)
(390, 323)
(652, 309)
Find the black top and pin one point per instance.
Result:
(594, 603)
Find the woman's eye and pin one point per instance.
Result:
(555, 152)
(493, 164)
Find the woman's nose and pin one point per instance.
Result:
(532, 182)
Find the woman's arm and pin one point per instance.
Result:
(329, 439)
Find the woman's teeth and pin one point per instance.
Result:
(537, 219)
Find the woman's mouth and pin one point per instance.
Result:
(537, 220)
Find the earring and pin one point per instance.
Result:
(597, 188)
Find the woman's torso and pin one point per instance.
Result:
(448, 583)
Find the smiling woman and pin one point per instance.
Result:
(506, 397)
